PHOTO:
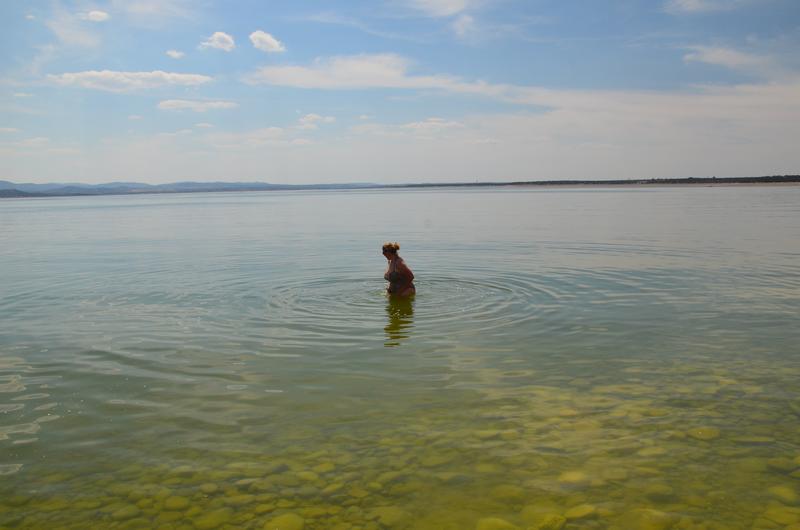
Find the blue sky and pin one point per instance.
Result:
(397, 91)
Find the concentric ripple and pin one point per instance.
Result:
(350, 309)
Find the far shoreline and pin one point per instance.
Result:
(9, 190)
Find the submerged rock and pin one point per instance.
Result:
(308, 476)
(127, 512)
(176, 503)
(388, 516)
(213, 519)
(239, 500)
(287, 521)
(582, 511)
(785, 494)
(495, 523)
(782, 464)
(548, 521)
(659, 492)
(573, 478)
(705, 433)
(647, 519)
(754, 440)
(778, 513)
(651, 451)
(534, 512)
(508, 492)
(324, 467)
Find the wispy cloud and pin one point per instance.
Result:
(428, 129)
(195, 105)
(8, 130)
(153, 10)
(312, 121)
(440, 8)
(220, 41)
(733, 59)
(115, 81)
(266, 43)
(568, 117)
(37, 141)
(463, 25)
(175, 54)
(348, 72)
(94, 16)
(253, 138)
(702, 6)
(175, 134)
(70, 30)
(339, 20)
(432, 124)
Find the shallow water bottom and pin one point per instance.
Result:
(656, 445)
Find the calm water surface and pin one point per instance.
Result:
(581, 358)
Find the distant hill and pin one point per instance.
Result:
(17, 193)
(11, 189)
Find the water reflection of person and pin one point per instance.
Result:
(400, 311)
(399, 276)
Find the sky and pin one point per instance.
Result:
(397, 91)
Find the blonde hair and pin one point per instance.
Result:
(391, 247)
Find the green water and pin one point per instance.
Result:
(584, 358)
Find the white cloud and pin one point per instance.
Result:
(63, 151)
(195, 106)
(432, 124)
(158, 10)
(312, 121)
(365, 117)
(702, 6)
(115, 81)
(33, 142)
(392, 71)
(203, 125)
(691, 129)
(599, 134)
(733, 59)
(134, 117)
(22, 95)
(440, 8)
(348, 72)
(463, 25)
(219, 41)
(255, 138)
(8, 130)
(175, 134)
(95, 16)
(266, 42)
(30, 17)
(430, 128)
(70, 30)
(175, 54)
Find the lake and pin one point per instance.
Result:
(621, 358)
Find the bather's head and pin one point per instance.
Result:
(389, 250)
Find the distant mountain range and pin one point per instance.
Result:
(11, 189)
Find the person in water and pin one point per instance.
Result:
(399, 276)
